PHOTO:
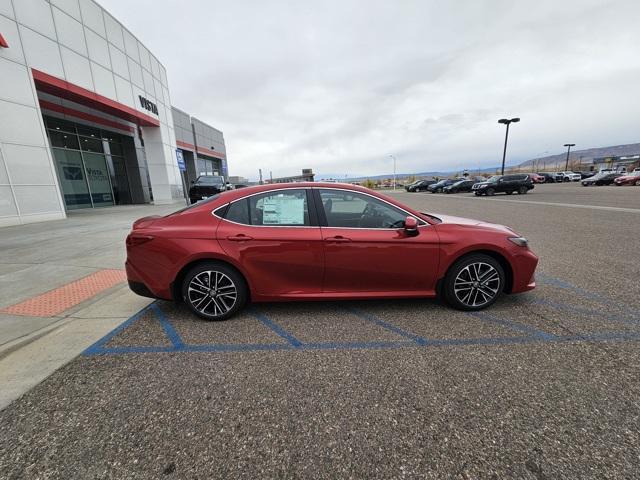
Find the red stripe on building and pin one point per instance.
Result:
(3, 42)
(54, 107)
(61, 88)
(185, 146)
(210, 153)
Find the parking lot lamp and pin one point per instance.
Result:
(394, 170)
(568, 145)
(507, 122)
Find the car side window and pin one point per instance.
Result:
(281, 208)
(349, 209)
(238, 212)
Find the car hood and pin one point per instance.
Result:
(483, 183)
(469, 222)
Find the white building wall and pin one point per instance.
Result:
(75, 40)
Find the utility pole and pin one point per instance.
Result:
(568, 145)
(507, 122)
(260, 170)
(394, 171)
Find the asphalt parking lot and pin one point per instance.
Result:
(543, 385)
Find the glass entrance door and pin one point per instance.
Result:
(98, 177)
(73, 181)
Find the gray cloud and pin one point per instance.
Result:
(338, 85)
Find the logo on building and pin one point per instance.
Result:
(148, 105)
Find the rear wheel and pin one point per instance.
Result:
(474, 282)
(214, 291)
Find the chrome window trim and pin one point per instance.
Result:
(421, 222)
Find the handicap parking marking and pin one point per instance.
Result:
(523, 333)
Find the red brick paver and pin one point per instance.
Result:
(63, 298)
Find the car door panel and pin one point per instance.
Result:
(279, 260)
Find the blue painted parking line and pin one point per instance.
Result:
(547, 279)
(293, 341)
(169, 331)
(98, 346)
(418, 340)
(585, 311)
(519, 327)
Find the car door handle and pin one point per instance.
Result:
(337, 239)
(239, 238)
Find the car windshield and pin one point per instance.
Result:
(494, 179)
(210, 180)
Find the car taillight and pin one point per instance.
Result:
(133, 240)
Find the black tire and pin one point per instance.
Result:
(477, 194)
(522, 190)
(566, 179)
(491, 192)
(202, 303)
(456, 270)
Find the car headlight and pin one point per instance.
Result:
(482, 186)
(520, 241)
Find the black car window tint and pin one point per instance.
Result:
(238, 212)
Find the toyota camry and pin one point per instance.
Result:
(315, 241)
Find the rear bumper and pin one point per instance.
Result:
(141, 289)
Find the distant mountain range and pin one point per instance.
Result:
(550, 162)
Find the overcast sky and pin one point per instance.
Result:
(337, 86)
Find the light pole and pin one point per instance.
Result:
(394, 171)
(507, 122)
(568, 145)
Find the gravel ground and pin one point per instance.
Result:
(536, 410)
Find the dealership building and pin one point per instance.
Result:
(85, 116)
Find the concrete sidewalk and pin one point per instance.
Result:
(37, 258)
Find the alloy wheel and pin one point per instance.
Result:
(477, 284)
(212, 293)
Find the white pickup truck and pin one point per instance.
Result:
(568, 177)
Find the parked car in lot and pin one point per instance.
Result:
(537, 178)
(248, 245)
(632, 178)
(508, 184)
(206, 186)
(584, 175)
(419, 185)
(438, 187)
(548, 177)
(568, 177)
(460, 186)
(601, 178)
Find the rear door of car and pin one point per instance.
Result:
(366, 247)
(275, 237)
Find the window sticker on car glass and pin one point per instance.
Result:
(283, 210)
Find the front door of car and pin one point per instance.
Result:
(366, 247)
(276, 239)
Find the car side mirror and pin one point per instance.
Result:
(411, 227)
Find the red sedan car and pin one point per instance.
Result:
(535, 178)
(632, 178)
(314, 241)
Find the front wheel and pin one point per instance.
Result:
(214, 291)
(637, 184)
(491, 192)
(477, 194)
(522, 190)
(474, 282)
